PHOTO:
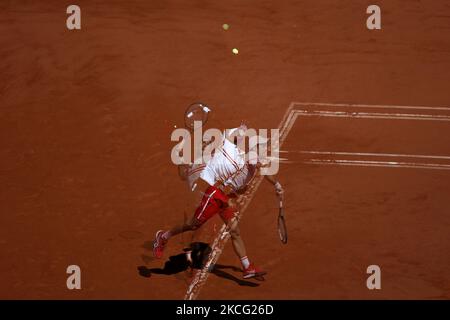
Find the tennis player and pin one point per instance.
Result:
(225, 176)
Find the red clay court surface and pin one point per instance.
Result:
(86, 118)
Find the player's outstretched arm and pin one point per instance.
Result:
(277, 185)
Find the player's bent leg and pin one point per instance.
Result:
(236, 239)
(250, 269)
(208, 207)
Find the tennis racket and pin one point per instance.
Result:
(196, 115)
(282, 230)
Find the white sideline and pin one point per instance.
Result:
(350, 105)
(387, 164)
(398, 155)
(372, 115)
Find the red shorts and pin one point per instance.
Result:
(214, 201)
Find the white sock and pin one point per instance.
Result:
(188, 256)
(166, 235)
(245, 262)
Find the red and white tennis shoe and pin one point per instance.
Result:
(253, 271)
(158, 245)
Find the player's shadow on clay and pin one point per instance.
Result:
(199, 254)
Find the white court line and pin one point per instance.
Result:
(372, 115)
(398, 155)
(349, 105)
(285, 127)
(391, 164)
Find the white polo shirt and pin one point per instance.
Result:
(228, 167)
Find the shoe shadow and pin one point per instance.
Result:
(233, 268)
(177, 263)
(199, 254)
(174, 265)
(222, 274)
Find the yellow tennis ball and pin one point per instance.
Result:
(225, 26)
(235, 51)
